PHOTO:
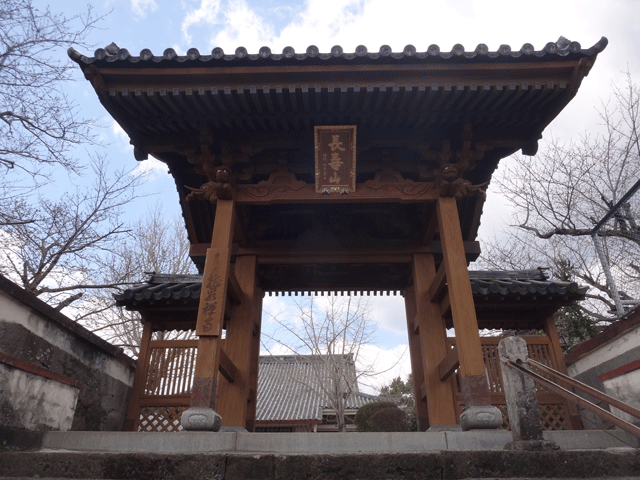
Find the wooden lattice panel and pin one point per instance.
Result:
(160, 419)
(553, 413)
(554, 417)
(171, 367)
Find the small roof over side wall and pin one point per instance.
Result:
(514, 299)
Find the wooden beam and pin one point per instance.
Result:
(433, 341)
(416, 354)
(438, 286)
(284, 255)
(368, 192)
(227, 367)
(140, 376)
(232, 398)
(234, 290)
(448, 364)
(423, 391)
(473, 381)
(252, 398)
(212, 308)
(537, 69)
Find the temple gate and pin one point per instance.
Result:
(269, 208)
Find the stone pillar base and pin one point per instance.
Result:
(485, 416)
(201, 418)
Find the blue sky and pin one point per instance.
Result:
(204, 24)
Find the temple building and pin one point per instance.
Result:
(337, 172)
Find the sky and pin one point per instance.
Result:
(229, 24)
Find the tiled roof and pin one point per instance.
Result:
(289, 389)
(113, 54)
(520, 282)
(181, 289)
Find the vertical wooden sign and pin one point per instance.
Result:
(335, 152)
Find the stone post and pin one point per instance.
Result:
(522, 401)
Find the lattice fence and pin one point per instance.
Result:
(553, 410)
(160, 419)
(171, 367)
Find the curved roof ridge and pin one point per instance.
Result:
(112, 54)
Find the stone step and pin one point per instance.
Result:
(441, 465)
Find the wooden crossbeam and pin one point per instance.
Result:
(415, 324)
(445, 305)
(283, 254)
(233, 290)
(448, 364)
(438, 286)
(227, 367)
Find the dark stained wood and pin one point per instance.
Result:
(290, 190)
(281, 253)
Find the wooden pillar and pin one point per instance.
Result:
(212, 307)
(232, 400)
(416, 354)
(140, 377)
(433, 338)
(549, 327)
(473, 381)
(252, 399)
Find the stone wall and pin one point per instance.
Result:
(608, 362)
(33, 332)
(30, 400)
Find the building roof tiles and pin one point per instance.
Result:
(168, 288)
(113, 54)
(289, 389)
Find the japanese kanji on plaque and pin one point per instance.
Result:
(335, 151)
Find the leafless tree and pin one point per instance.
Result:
(60, 247)
(155, 244)
(562, 193)
(39, 124)
(335, 334)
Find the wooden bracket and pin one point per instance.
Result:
(227, 367)
(438, 286)
(448, 364)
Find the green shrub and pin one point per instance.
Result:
(381, 417)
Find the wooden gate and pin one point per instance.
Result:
(167, 389)
(554, 410)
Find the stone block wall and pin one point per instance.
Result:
(33, 332)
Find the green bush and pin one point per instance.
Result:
(381, 417)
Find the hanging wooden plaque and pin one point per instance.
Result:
(335, 151)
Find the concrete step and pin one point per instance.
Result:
(429, 465)
(319, 443)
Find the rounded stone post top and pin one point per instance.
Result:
(513, 348)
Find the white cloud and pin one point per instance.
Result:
(384, 365)
(119, 134)
(151, 167)
(207, 13)
(241, 26)
(142, 7)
